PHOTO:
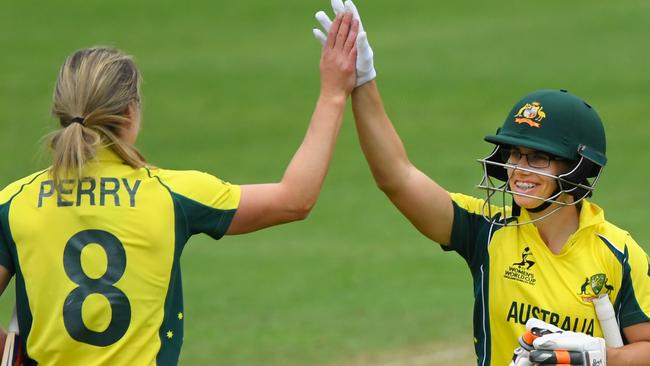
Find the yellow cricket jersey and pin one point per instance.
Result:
(517, 277)
(96, 262)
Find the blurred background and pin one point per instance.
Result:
(229, 88)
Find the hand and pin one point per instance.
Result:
(569, 348)
(520, 357)
(337, 63)
(546, 344)
(364, 64)
(535, 328)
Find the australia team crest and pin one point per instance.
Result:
(595, 286)
(531, 114)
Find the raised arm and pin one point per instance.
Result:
(426, 204)
(419, 198)
(264, 205)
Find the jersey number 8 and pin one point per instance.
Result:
(104, 285)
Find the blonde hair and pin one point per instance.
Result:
(92, 95)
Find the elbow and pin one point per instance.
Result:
(390, 187)
(386, 187)
(393, 181)
(301, 211)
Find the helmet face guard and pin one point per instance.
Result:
(497, 188)
(554, 122)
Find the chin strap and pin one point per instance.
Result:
(540, 208)
(516, 210)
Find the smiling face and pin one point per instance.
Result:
(529, 183)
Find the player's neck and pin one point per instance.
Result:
(556, 229)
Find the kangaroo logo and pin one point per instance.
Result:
(531, 114)
(594, 286)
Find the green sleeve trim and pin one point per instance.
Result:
(627, 308)
(22, 304)
(204, 219)
(470, 236)
(7, 260)
(200, 218)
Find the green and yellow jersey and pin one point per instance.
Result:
(517, 277)
(96, 261)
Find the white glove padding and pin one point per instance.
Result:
(581, 348)
(365, 64)
(539, 324)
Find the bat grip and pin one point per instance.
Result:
(607, 317)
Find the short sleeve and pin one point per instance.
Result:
(5, 254)
(470, 230)
(207, 202)
(635, 289)
(7, 245)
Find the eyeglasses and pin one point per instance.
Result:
(535, 159)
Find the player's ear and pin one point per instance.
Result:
(132, 111)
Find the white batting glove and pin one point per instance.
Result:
(569, 348)
(535, 328)
(365, 64)
(542, 326)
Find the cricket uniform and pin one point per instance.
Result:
(517, 277)
(97, 261)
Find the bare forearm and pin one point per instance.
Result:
(634, 354)
(379, 141)
(306, 172)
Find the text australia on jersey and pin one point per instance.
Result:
(520, 312)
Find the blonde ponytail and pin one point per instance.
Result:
(93, 92)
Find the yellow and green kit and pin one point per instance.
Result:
(517, 277)
(97, 259)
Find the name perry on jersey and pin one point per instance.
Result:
(90, 190)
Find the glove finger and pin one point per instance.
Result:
(568, 341)
(557, 357)
(320, 36)
(364, 53)
(324, 20)
(536, 323)
(338, 6)
(349, 5)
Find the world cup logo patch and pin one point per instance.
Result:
(531, 114)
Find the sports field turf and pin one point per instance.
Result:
(229, 88)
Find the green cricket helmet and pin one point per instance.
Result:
(560, 124)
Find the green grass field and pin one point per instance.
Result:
(229, 88)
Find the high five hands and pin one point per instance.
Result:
(364, 63)
(337, 64)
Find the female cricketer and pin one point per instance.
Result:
(94, 241)
(546, 256)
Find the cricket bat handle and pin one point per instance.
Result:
(607, 317)
(13, 324)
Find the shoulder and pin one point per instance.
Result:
(469, 203)
(620, 242)
(198, 186)
(15, 187)
(477, 206)
(612, 235)
(180, 179)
